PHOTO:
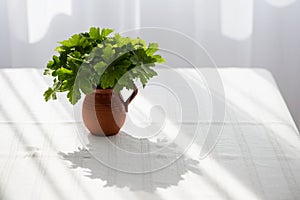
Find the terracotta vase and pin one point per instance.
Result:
(104, 111)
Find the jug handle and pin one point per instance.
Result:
(127, 102)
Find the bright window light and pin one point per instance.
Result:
(280, 3)
(237, 19)
(41, 13)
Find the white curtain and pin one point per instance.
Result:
(236, 33)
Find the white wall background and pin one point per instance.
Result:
(238, 33)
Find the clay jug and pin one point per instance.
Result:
(104, 111)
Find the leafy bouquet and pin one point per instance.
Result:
(92, 60)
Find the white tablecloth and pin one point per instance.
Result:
(257, 154)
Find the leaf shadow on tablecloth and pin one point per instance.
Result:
(168, 167)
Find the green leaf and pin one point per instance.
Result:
(85, 85)
(64, 73)
(149, 72)
(138, 43)
(56, 63)
(75, 40)
(105, 32)
(152, 48)
(143, 80)
(95, 33)
(53, 96)
(61, 49)
(107, 81)
(48, 94)
(159, 59)
(48, 72)
(74, 95)
(135, 60)
(50, 64)
(108, 54)
(100, 67)
(124, 64)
